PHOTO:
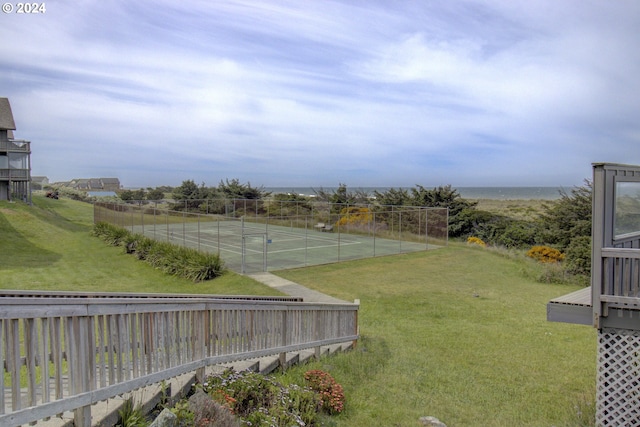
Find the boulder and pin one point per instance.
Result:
(165, 419)
(430, 421)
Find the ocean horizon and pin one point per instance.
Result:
(496, 193)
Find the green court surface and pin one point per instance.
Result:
(249, 247)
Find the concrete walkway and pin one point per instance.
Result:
(293, 289)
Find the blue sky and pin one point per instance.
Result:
(316, 93)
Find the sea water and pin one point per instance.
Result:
(504, 193)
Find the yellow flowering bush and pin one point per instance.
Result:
(476, 241)
(354, 216)
(545, 254)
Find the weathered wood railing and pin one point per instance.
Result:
(98, 347)
(621, 276)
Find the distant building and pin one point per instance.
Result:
(39, 182)
(93, 184)
(15, 159)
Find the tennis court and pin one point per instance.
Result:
(254, 244)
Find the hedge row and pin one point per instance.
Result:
(171, 259)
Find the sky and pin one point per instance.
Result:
(368, 93)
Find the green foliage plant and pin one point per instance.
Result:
(111, 234)
(578, 256)
(155, 194)
(131, 415)
(132, 195)
(171, 259)
(259, 400)
(445, 196)
(209, 413)
(185, 416)
(567, 219)
(234, 189)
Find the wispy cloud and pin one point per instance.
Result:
(316, 93)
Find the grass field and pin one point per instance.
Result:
(528, 209)
(459, 333)
(49, 247)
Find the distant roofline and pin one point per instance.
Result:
(6, 116)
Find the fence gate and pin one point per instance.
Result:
(254, 252)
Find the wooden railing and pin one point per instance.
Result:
(15, 145)
(621, 277)
(14, 174)
(66, 294)
(619, 284)
(65, 354)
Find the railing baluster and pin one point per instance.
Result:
(31, 352)
(135, 345)
(44, 359)
(56, 350)
(3, 348)
(102, 351)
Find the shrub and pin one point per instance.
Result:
(579, 255)
(517, 234)
(208, 413)
(111, 234)
(131, 415)
(354, 216)
(249, 390)
(171, 259)
(476, 241)
(545, 254)
(552, 272)
(184, 414)
(259, 400)
(331, 393)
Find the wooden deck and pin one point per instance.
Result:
(575, 307)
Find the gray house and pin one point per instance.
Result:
(15, 159)
(612, 303)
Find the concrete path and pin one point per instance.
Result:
(293, 289)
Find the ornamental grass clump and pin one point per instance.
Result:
(111, 234)
(545, 254)
(171, 259)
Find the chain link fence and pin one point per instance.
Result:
(258, 235)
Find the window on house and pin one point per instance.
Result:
(627, 209)
(18, 161)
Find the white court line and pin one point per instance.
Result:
(312, 248)
(237, 250)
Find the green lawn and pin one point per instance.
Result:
(49, 247)
(459, 333)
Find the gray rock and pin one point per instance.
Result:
(165, 419)
(432, 422)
